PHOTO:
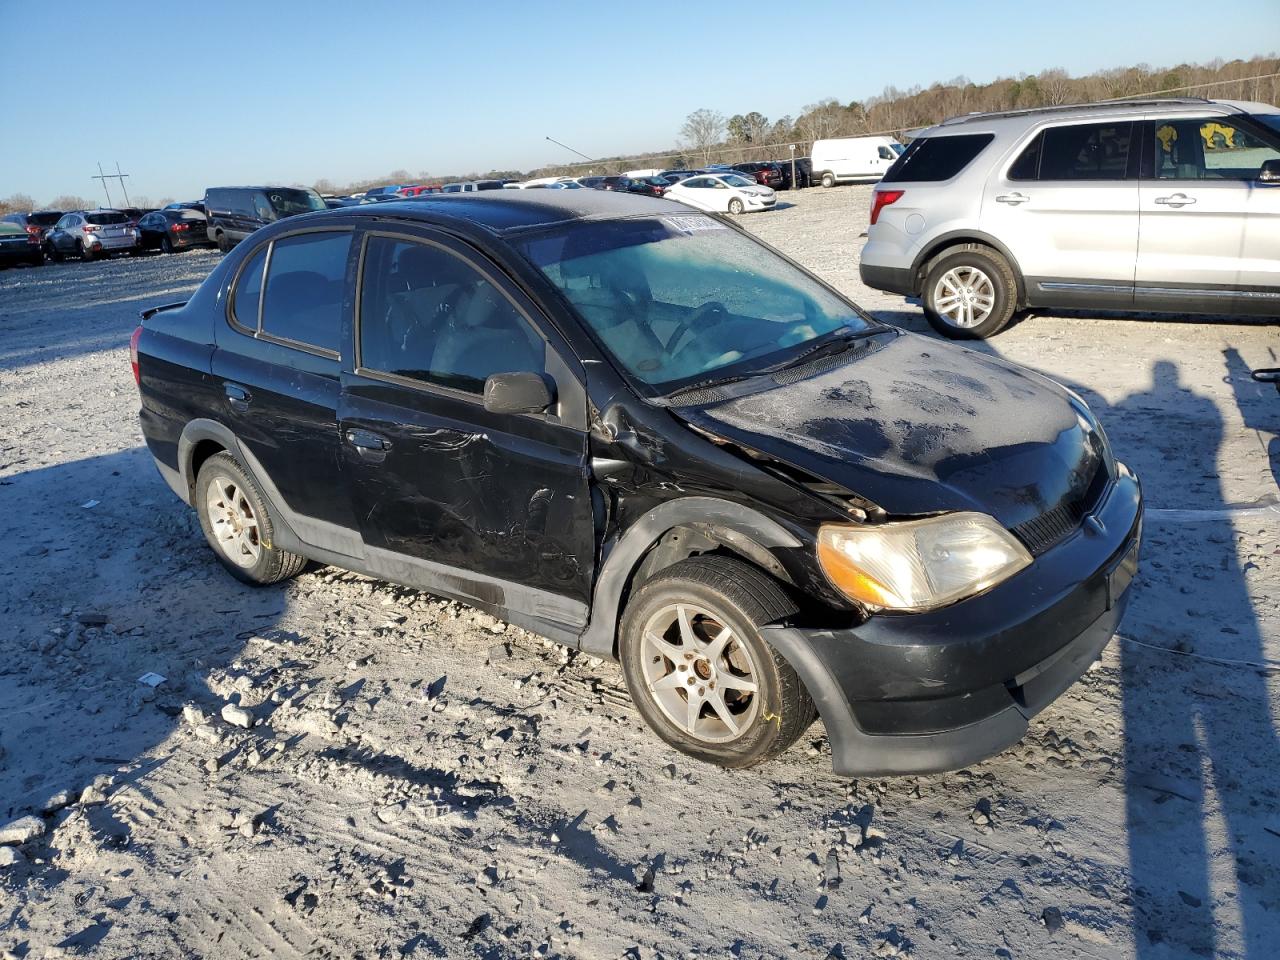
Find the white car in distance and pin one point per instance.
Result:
(722, 193)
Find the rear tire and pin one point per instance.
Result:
(236, 522)
(83, 252)
(668, 648)
(828, 180)
(970, 292)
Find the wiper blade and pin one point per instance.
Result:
(829, 346)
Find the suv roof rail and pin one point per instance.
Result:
(1068, 107)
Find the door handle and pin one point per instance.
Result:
(367, 443)
(237, 396)
(1013, 199)
(1176, 200)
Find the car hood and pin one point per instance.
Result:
(919, 427)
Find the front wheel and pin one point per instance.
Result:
(224, 244)
(166, 245)
(237, 524)
(828, 180)
(735, 206)
(52, 253)
(698, 670)
(970, 293)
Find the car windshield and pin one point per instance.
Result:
(734, 180)
(288, 202)
(106, 219)
(685, 299)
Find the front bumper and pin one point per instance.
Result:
(922, 693)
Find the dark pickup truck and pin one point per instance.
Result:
(633, 428)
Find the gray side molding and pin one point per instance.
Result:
(600, 636)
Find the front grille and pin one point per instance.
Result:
(1043, 532)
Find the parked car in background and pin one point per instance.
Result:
(637, 430)
(645, 186)
(135, 213)
(675, 176)
(723, 193)
(387, 190)
(172, 230)
(845, 159)
(766, 173)
(186, 205)
(18, 246)
(334, 202)
(473, 186)
(592, 183)
(236, 212)
(37, 224)
(803, 173)
(1112, 206)
(89, 234)
(419, 189)
(610, 182)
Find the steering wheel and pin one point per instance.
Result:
(713, 311)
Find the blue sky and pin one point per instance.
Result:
(185, 95)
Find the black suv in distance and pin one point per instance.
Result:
(637, 430)
(235, 212)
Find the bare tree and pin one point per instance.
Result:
(17, 203)
(702, 132)
(69, 201)
(1055, 87)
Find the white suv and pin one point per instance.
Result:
(1165, 205)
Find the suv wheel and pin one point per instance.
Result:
(83, 252)
(970, 293)
(828, 180)
(698, 670)
(237, 524)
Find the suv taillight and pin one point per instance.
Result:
(133, 355)
(882, 199)
(89, 228)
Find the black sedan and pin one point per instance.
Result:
(172, 230)
(18, 246)
(634, 429)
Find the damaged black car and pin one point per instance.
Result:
(636, 430)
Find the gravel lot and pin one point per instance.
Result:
(423, 780)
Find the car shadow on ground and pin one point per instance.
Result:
(1200, 742)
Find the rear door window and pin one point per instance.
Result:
(248, 293)
(428, 315)
(1081, 151)
(933, 159)
(302, 302)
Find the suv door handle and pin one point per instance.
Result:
(1013, 199)
(237, 396)
(1176, 200)
(368, 444)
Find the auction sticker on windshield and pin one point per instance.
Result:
(693, 224)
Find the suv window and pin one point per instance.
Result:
(107, 219)
(932, 159)
(305, 281)
(1208, 148)
(429, 315)
(1081, 151)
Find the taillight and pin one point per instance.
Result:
(179, 227)
(89, 228)
(133, 355)
(882, 199)
(33, 230)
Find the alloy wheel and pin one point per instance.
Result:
(231, 518)
(964, 296)
(702, 677)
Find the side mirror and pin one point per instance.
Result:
(1270, 172)
(517, 393)
(1268, 375)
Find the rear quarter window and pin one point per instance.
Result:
(933, 159)
(306, 280)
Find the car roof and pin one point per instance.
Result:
(1007, 120)
(510, 211)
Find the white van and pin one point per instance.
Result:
(853, 158)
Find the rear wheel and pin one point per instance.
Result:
(237, 524)
(83, 252)
(698, 670)
(970, 293)
(828, 179)
(735, 206)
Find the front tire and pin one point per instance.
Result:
(224, 244)
(52, 253)
(970, 292)
(698, 670)
(238, 525)
(828, 180)
(735, 207)
(166, 245)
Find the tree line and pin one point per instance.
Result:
(708, 136)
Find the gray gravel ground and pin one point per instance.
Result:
(422, 780)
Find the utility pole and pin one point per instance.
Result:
(570, 149)
(104, 177)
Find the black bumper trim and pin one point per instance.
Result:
(893, 279)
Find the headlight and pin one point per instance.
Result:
(919, 565)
